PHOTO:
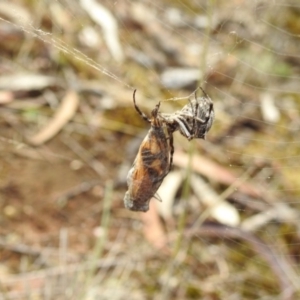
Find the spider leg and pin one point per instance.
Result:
(196, 118)
(171, 149)
(211, 106)
(154, 112)
(184, 127)
(197, 106)
(195, 113)
(138, 110)
(170, 121)
(204, 93)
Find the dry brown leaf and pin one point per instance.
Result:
(6, 97)
(62, 116)
(178, 78)
(33, 153)
(269, 110)
(213, 171)
(26, 82)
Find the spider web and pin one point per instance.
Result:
(251, 71)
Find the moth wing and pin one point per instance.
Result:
(159, 148)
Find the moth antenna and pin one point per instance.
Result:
(144, 116)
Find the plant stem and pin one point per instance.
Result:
(174, 261)
(101, 240)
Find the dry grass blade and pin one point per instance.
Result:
(213, 171)
(15, 12)
(62, 116)
(167, 191)
(219, 209)
(280, 211)
(153, 228)
(106, 20)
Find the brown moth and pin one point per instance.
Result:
(152, 163)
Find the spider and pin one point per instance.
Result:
(194, 120)
(152, 163)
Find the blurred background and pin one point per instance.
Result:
(228, 226)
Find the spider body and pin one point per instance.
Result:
(194, 120)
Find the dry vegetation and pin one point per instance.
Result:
(228, 226)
